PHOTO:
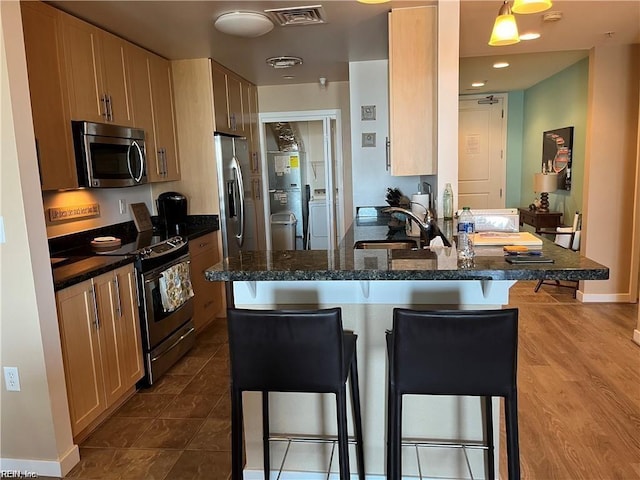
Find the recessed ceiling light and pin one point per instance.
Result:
(288, 77)
(501, 65)
(284, 62)
(478, 84)
(244, 24)
(530, 36)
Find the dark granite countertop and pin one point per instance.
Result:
(73, 261)
(345, 263)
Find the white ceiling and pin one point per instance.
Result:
(358, 32)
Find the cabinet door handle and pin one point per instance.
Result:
(388, 153)
(105, 108)
(110, 105)
(117, 285)
(95, 307)
(164, 160)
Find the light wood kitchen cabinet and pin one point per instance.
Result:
(229, 101)
(101, 346)
(152, 102)
(207, 295)
(167, 166)
(412, 90)
(48, 89)
(252, 131)
(97, 76)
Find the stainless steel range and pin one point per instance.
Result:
(167, 327)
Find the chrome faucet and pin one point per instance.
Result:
(427, 225)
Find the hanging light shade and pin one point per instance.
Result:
(530, 6)
(505, 29)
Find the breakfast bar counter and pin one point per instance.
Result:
(367, 284)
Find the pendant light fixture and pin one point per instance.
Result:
(505, 30)
(530, 6)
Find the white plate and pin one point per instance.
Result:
(104, 239)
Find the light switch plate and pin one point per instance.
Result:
(368, 112)
(369, 139)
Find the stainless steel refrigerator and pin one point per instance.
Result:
(237, 208)
(287, 194)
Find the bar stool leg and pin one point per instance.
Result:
(236, 435)
(513, 449)
(394, 442)
(343, 439)
(488, 418)
(266, 452)
(357, 417)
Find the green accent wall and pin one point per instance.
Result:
(559, 101)
(515, 119)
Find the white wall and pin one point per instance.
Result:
(36, 430)
(369, 85)
(610, 171)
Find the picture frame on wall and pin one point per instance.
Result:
(557, 153)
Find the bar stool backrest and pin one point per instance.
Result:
(286, 350)
(457, 352)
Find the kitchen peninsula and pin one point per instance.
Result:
(367, 284)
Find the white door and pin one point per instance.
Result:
(481, 152)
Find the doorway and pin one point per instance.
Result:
(302, 177)
(482, 151)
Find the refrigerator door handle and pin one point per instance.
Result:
(240, 186)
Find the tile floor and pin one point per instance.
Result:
(178, 429)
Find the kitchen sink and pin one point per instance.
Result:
(385, 244)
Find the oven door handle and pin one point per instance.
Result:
(175, 344)
(155, 276)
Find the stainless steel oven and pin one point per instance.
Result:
(167, 333)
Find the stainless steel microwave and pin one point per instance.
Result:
(109, 155)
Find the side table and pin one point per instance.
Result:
(540, 220)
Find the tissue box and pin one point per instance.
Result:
(497, 220)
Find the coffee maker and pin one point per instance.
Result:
(172, 212)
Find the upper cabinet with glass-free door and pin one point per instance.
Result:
(229, 102)
(97, 76)
(49, 102)
(412, 90)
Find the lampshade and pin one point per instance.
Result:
(244, 24)
(530, 6)
(505, 29)
(545, 182)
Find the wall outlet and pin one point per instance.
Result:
(11, 379)
(122, 204)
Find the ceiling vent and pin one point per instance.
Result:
(312, 15)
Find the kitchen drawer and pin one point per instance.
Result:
(208, 299)
(204, 243)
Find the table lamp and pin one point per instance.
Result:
(544, 183)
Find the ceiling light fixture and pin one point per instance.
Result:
(284, 62)
(505, 30)
(530, 36)
(530, 6)
(243, 24)
(371, 2)
(478, 84)
(501, 65)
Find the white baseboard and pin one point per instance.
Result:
(41, 468)
(636, 336)
(604, 297)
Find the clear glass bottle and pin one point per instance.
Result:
(466, 227)
(447, 202)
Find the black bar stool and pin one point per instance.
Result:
(292, 351)
(458, 352)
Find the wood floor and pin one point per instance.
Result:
(579, 402)
(578, 387)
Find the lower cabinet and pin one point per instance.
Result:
(101, 346)
(208, 299)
